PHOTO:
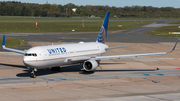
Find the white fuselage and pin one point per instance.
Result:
(56, 55)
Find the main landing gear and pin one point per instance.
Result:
(33, 70)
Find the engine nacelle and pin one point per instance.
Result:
(90, 65)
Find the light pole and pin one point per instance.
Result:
(66, 10)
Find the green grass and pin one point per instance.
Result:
(86, 34)
(164, 31)
(21, 18)
(175, 22)
(12, 42)
(29, 27)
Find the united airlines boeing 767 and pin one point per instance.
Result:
(90, 54)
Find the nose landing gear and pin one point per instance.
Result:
(33, 70)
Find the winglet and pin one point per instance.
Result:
(174, 46)
(3, 41)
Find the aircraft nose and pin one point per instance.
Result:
(28, 61)
(25, 60)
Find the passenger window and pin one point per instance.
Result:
(31, 54)
(34, 54)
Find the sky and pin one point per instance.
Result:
(116, 3)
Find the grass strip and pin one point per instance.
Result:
(30, 18)
(164, 31)
(45, 27)
(12, 42)
(175, 22)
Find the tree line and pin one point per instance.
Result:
(15, 8)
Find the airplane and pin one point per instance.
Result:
(87, 53)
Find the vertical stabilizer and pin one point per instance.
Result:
(103, 31)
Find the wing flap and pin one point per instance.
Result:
(129, 55)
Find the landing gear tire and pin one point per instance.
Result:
(33, 75)
(56, 68)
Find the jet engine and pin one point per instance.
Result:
(90, 65)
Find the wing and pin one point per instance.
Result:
(126, 56)
(118, 56)
(10, 49)
(134, 55)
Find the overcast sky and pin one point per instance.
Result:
(116, 3)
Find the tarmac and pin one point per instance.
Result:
(127, 79)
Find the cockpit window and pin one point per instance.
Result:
(30, 54)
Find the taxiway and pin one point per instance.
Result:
(143, 78)
(129, 79)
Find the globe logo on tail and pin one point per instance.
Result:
(102, 36)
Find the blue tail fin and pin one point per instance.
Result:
(103, 31)
(3, 41)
